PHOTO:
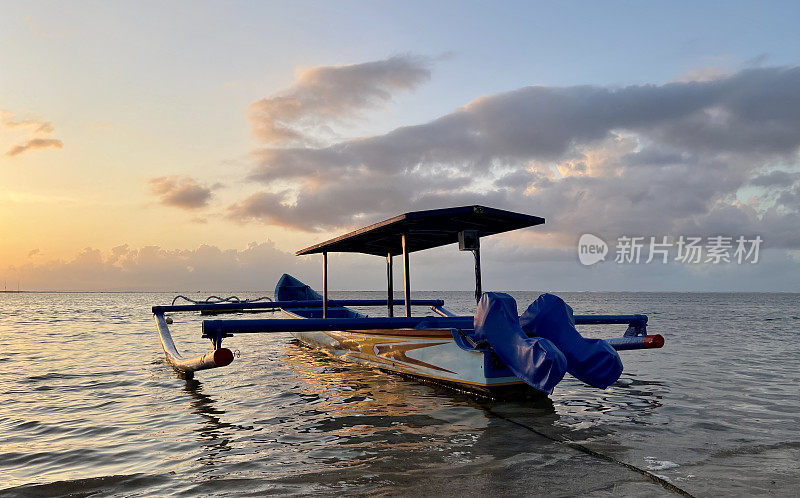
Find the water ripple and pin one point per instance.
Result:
(93, 409)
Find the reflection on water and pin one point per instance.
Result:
(93, 408)
(212, 430)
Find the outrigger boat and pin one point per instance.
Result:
(495, 352)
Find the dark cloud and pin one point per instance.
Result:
(736, 114)
(326, 95)
(35, 143)
(642, 159)
(355, 199)
(182, 192)
(776, 178)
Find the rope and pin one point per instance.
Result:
(218, 300)
(579, 447)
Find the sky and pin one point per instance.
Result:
(190, 146)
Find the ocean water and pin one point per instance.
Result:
(87, 406)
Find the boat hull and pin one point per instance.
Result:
(430, 355)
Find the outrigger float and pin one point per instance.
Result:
(496, 352)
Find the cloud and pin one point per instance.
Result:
(709, 73)
(508, 265)
(35, 143)
(35, 126)
(36, 131)
(326, 95)
(182, 192)
(791, 198)
(775, 178)
(341, 204)
(641, 159)
(257, 266)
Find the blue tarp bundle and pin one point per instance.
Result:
(536, 361)
(291, 289)
(593, 361)
(541, 361)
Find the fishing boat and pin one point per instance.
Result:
(496, 352)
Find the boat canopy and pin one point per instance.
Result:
(425, 230)
(416, 231)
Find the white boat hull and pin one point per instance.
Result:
(430, 354)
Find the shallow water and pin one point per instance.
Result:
(87, 405)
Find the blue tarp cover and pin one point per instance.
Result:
(291, 289)
(535, 360)
(593, 361)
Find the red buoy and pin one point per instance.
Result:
(650, 341)
(224, 356)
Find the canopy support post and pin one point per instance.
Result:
(478, 292)
(324, 285)
(406, 276)
(389, 284)
(470, 240)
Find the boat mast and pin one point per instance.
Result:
(469, 240)
(478, 292)
(406, 276)
(324, 285)
(390, 284)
